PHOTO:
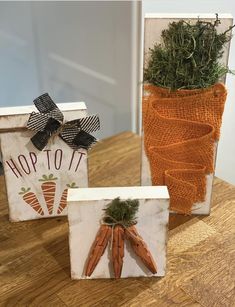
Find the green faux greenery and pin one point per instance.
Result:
(188, 57)
(122, 211)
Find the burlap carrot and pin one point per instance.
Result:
(180, 131)
(63, 200)
(119, 219)
(49, 188)
(31, 199)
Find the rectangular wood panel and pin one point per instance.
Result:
(37, 181)
(85, 212)
(154, 24)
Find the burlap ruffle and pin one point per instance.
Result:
(180, 131)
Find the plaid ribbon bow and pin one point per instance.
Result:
(50, 122)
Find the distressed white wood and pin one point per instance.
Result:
(21, 170)
(89, 194)
(85, 214)
(153, 26)
(186, 16)
(9, 117)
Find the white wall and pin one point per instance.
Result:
(225, 166)
(73, 50)
(19, 76)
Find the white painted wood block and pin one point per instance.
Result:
(154, 24)
(24, 165)
(85, 211)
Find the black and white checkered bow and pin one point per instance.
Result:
(50, 122)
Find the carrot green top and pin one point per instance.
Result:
(24, 190)
(121, 212)
(71, 185)
(48, 178)
(188, 56)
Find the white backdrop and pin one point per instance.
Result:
(225, 166)
(76, 51)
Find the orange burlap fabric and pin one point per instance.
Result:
(180, 132)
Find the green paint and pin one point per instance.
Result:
(48, 177)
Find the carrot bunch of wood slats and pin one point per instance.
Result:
(119, 224)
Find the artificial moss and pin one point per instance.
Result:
(121, 211)
(189, 56)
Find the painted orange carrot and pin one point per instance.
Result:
(31, 199)
(48, 188)
(63, 200)
(118, 250)
(119, 220)
(140, 248)
(98, 247)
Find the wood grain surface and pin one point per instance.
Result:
(34, 255)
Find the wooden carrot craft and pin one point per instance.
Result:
(48, 188)
(98, 248)
(118, 250)
(119, 223)
(63, 200)
(31, 199)
(140, 248)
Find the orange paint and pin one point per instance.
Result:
(63, 201)
(31, 199)
(48, 189)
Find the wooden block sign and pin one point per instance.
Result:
(182, 103)
(118, 232)
(40, 166)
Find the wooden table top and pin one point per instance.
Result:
(34, 256)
